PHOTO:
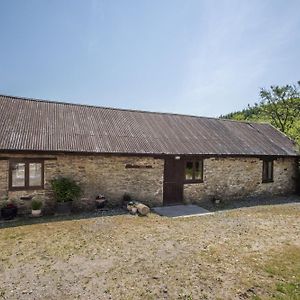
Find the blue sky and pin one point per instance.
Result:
(185, 56)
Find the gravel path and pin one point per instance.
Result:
(249, 202)
(249, 253)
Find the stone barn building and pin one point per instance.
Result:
(157, 158)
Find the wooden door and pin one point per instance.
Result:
(173, 181)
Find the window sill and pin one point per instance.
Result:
(31, 188)
(192, 181)
(267, 181)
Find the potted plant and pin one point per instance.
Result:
(8, 209)
(65, 191)
(36, 205)
(215, 200)
(101, 201)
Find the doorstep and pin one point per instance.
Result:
(175, 211)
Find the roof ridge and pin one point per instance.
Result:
(125, 109)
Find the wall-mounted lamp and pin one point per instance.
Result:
(177, 157)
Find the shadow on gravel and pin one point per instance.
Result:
(211, 207)
(249, 202)
(28, 220)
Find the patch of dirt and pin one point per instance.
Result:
(221, 256)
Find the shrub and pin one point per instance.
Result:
(7, 203)
(65, 189)
(36, 204)
(4, 198)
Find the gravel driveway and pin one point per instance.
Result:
(249, 253)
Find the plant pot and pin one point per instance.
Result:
(36, 212)
(64, 208)
(100, 203)
(9, 213)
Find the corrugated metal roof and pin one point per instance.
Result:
(37, 125)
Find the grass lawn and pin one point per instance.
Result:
(249, 253)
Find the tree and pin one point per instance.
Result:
(281, 105)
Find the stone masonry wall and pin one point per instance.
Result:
(109, 176)
(99, 174)
(3, 177)
(230, 178)
(225, 178)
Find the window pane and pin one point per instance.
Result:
(270, 170)
(189, 170)
(35, 174)
(198, 170)
(18, 174)
(267, 170)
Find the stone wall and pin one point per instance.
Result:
(3, 177)
(231, 178)
(99, 174)
(109, 176)
(226, 178)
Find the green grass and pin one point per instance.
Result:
(288, 291)
(284, 267)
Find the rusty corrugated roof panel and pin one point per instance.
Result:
(37, 125)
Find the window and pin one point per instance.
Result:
(18, 174)
(194, 171)
(26, 174)
(35, 174)
(267, 174)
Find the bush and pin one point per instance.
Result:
(65, 189)
(36, 204)
(5, 202)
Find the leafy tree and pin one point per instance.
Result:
(281, 105)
